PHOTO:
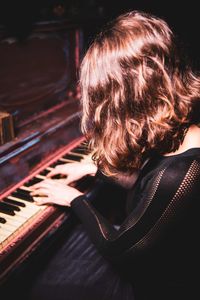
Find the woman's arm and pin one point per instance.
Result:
(165, 200)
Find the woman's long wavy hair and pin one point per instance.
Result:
(136, 95)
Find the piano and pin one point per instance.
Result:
(23, 224)
(39, 89)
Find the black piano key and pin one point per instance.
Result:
(59, 162)
(14, 202)
(2, 220)
(58, 176)
(24, 196)
(79, 147)
(6, 210)
(80, 150)
(10, 206)
(72, 157)
(32, 181)
(44, 172)
(21, 191)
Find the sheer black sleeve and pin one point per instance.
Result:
(164, 200)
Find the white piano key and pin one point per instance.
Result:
(14, 219)
(8, 227)
(41, 176)
(49, 168)
(76, 154)
(65, 160)
(25, 188)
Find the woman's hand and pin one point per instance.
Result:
(51, 191)
(74, 171)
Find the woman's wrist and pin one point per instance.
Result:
(77, 200)
(76, 195)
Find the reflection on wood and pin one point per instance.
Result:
(41, 71)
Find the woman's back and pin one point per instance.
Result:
(164, 207)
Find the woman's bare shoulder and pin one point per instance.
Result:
(191, 140)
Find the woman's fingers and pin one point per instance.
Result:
(39, 192)
(60, 169)
(69, 180)
(54, 192)
(41, 200)
(43, 184)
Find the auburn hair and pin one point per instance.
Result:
(136, 95)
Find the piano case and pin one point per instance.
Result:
(39, 91)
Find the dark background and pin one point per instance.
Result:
(18, 17)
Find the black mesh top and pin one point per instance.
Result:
(159, 237)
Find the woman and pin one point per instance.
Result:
(140, 113)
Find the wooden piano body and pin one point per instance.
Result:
(38, 88)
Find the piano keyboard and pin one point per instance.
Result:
(18, 209)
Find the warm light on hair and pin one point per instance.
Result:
(135, 96)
